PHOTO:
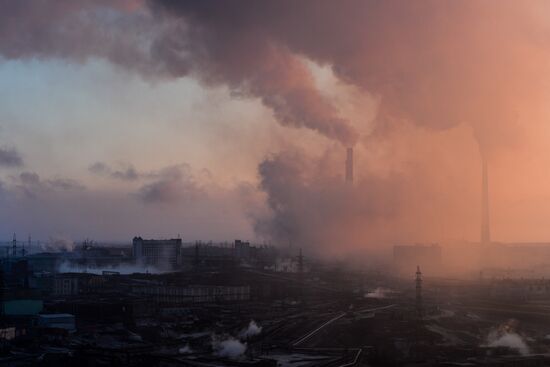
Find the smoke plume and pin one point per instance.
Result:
(30, 185)
(251, 330)
(506, 336)
(380, 293)
(128, 173)
(9, 157)
(309, 206)
(171, 184)
(435, 63)
(58, 242)
(229, 348)
(432, 66)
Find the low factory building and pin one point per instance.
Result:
(193, 294)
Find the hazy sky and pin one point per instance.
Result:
(62, 118)
(222, 120)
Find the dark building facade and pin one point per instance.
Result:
(164, 254)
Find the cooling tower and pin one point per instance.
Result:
(349, 165)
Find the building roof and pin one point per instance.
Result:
(55, 315)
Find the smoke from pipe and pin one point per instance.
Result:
(349, 165)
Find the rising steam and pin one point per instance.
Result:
(251, 330)
(57, 243)
(506, 336)
(228, 348)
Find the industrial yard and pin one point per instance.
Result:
(211, 307)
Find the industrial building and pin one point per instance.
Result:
(162, 254)
(193, 294)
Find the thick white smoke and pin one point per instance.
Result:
(510, 340)
(57, 243)
(185, 349)
(379, 293)
(228, 348)
(506, 336)
(252, 330)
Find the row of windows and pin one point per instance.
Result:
(204, 298)
(194, 291)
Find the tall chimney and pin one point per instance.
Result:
(485, 225)
(349, 165)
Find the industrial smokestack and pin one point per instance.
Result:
(485, 225)
(349, 165)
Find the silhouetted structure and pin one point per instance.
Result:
(418, 281)
(485, 224)
(158, 253)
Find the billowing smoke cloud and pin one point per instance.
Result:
(160, 43)
(434, 64)
(172, 184)
(506, 336)
(168, 185)
(58, 242)
(9, 157)
(115, 30)
(31, 185)
(311, 207)
(128, 173)
(437, 63)
(240, 53)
